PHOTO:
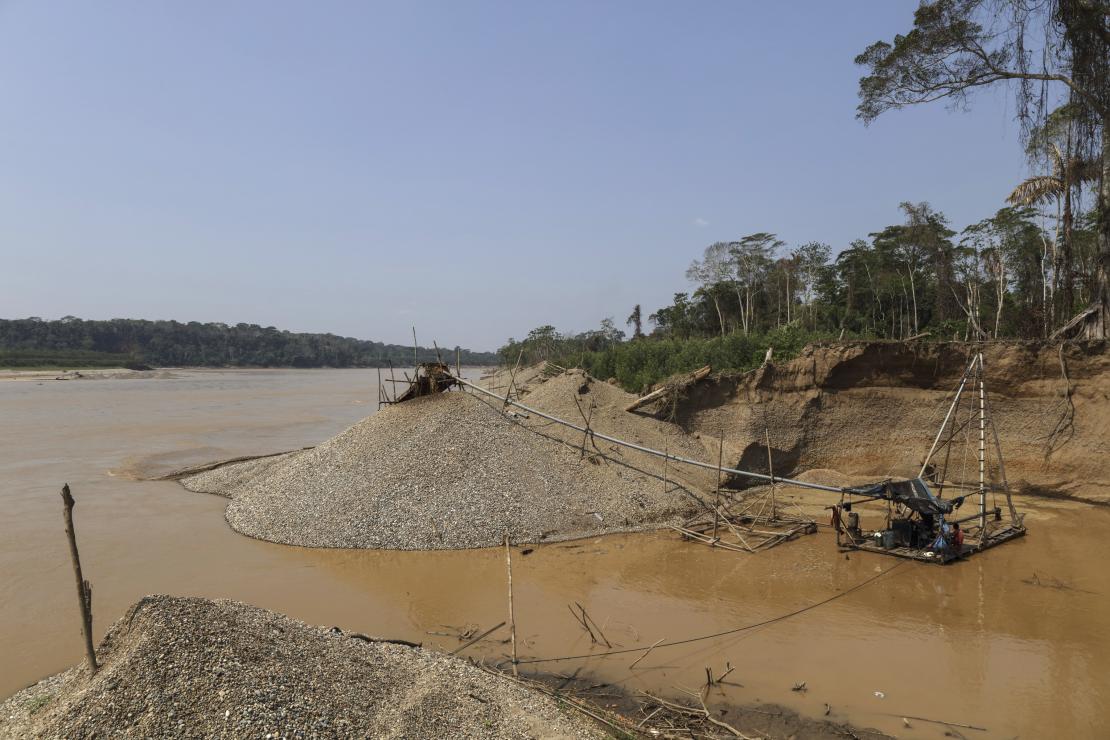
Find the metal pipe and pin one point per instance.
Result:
(676, 458)
(973, 516)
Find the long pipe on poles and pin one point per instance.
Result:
(658, 453)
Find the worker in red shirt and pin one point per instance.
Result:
(957, 539)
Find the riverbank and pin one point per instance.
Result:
(42, 374)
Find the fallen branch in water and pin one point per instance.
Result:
(938, 722)
(480, 637)
(367, 638)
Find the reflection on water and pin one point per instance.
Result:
(983, 642)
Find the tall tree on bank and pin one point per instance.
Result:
(1050, 51)
(635, 320)
(752, 257)
(1052, 144)
(710, 273)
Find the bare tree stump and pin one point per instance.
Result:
(84, 588)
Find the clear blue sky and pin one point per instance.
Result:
(474, 168)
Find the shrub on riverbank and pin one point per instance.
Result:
(641, 363)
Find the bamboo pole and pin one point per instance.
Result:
(666, 459)
(770, 469)
(512, 380)
(717, 495)
(415, 349)
(84, 588)
(982, 452)
(512, 616)
(943, 424)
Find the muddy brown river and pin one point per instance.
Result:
(1016, 640)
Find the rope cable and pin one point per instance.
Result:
(735, 630)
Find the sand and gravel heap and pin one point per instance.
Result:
(187, 667)
(442, 472)
(576, 396)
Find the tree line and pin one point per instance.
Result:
(71, 341)
(917, 278)
(1037, 268)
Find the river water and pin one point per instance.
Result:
(1016, 640)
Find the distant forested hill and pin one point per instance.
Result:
(75, 342)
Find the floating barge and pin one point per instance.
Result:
(919, 522)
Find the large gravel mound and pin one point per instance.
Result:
(442, 472)
(175, 667)
(574, 394)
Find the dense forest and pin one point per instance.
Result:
(73, 342)
(1037, 268)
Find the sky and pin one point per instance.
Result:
(474, 169)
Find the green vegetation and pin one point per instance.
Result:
(1055, 56)
(35, 704)
(918, 278)
(1038, 268)
(52, 359)
(638, 364)
(72, 342)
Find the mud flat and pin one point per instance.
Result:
(176, 667)
(449, 472)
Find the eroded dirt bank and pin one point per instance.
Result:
(871, 409)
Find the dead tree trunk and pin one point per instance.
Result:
(84, 588)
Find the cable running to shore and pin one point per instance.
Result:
(725, 633)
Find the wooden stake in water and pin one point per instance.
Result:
(982, 455)
(666, 459)
(392, 380)
(512, 617)
(770, 469)
(84, 589)
(717, 495)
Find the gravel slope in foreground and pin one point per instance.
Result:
(442, 472)
(187, 667)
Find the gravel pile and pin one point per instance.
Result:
(573, 395)
(443, 472)
(176, 667)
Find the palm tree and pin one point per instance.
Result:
(1067, 174)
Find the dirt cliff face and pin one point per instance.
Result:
(872, 409)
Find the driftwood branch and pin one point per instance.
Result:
(659, 393)
(391, 641)
(479, 638)
(84, 588)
